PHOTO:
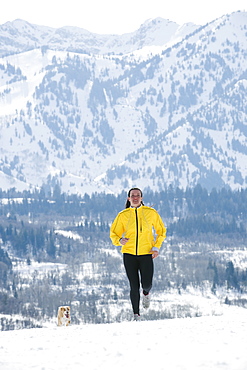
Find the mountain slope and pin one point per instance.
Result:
(107, 122)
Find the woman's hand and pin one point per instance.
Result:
(154, 254)
(123, 241)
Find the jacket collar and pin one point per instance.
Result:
(136, 207)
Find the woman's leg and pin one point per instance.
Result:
(132, 270)
(146, 266)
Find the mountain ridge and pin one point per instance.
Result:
(21, 35)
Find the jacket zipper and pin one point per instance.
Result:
(136, 231)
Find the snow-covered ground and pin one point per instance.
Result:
(205, 343)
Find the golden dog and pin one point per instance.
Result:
(63, 315)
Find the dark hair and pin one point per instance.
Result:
(127, 204)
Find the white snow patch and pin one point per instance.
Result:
(69, 234)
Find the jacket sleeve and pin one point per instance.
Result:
(160, 231)
(116, 231)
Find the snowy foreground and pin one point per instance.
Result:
(209, 342)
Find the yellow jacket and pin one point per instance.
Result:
(138, 224)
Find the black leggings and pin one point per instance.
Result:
(133, 265)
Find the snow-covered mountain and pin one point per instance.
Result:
(162, 105)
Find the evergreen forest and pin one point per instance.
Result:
(205, 249)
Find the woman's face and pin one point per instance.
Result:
(135, 198)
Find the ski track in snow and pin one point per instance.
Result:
(204, 343)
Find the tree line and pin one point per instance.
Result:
(196, 206)
(169, 200)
